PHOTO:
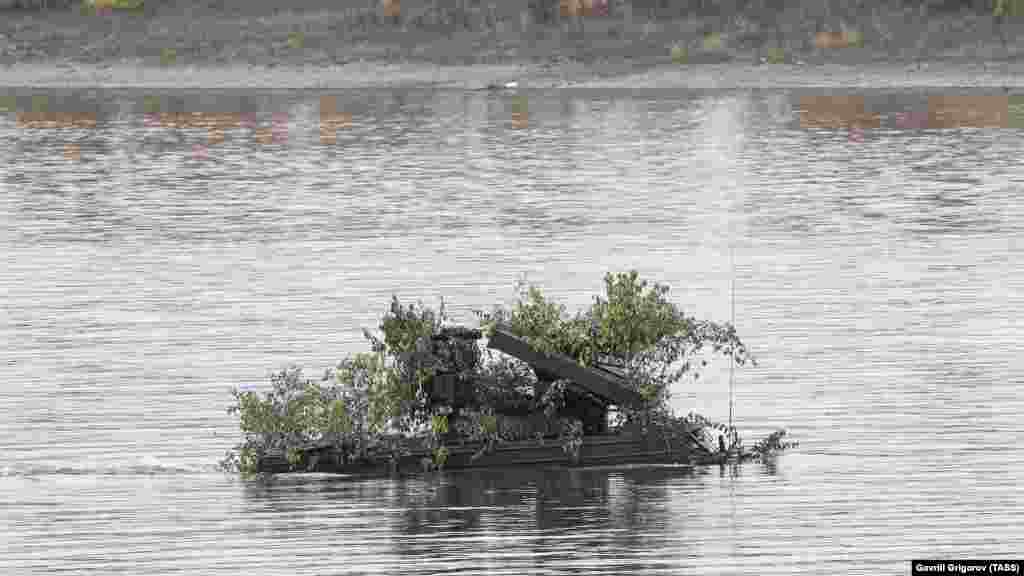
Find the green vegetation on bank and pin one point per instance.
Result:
(94, 6)
(1003, 8)
(168, 56)
(776, 55)
(378, 400)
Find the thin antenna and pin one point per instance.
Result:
(732, 320)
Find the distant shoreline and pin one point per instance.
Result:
(253, 44)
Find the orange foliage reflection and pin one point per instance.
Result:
(37, 120)
(956, 111)
(836, 112)
(331, 119)
(72, 152)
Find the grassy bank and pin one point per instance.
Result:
(617, 37)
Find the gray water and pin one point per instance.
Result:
(147, 271)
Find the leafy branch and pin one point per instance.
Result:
(634, 326)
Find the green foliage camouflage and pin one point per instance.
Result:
(368, 399)
(634, 326)
(294, 413)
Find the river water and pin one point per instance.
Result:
(152, 263)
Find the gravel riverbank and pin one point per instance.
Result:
(726, 75)
(322, 44)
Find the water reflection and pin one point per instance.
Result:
(597, 519)
(375, 146)
(592, 519)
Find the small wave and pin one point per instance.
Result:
(147, 466)
(863, 455)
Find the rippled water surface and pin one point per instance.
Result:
(153, 261)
